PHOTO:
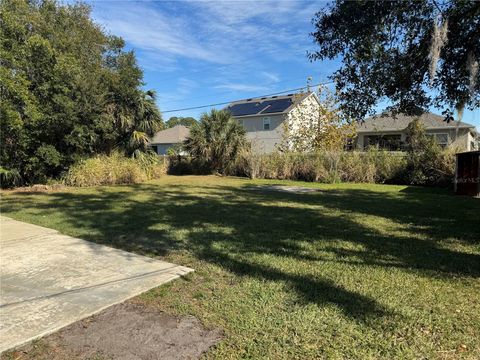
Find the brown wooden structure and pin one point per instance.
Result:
(467, 173)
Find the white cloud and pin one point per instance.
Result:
(238, 12)
(149, 29)
(227, 46)
(221, 32)
(186, 86)
(270, 76)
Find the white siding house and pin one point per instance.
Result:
(264, 119)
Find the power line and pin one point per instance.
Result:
(228, 102)
(228, 92)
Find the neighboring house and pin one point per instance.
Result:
(163, 140)
(389, 132)
(264, 118)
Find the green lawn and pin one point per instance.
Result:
(353, 271)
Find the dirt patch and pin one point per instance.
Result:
(37, 188)
(284, 188)
(125, 331)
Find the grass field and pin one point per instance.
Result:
(354, 271)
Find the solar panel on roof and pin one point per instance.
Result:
(246, 109)
(253, 108)
(278, 105)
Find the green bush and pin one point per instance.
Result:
(9, 178)
(216, 141)
(187, 165)
(427, 163)
(114, 169)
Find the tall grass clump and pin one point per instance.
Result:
(114, 169)
(373, 166)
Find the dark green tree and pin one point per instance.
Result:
(417, 53)
(185, 121)
(216, 140)
(67, 91)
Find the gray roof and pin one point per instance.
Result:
(281, 104)
(387, 122)
(174, 135)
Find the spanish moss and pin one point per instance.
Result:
(439, 39)
(472, 66)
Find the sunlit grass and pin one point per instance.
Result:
(352, 271)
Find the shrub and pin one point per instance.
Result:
(186, 165)
(216, 140)
(9, 177)
(44, 164)
(373, 166)
(114, 169)
(427, 164)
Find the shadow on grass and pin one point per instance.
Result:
(228, 226)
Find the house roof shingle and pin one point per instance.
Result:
(174, 135)
(399, 122)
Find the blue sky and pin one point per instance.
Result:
(200, 52)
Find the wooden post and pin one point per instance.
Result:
(456, 174)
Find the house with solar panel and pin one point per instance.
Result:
(264, 118)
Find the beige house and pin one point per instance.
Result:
(388, 132)
(166, 139)
(264, 118)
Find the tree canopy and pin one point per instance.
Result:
(67, 89)
(185, 121)
(417, 53)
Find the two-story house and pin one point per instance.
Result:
(265, 118)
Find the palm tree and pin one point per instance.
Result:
(216, 140)
(139, 123)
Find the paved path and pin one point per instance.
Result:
(50, 280)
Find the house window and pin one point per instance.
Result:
(349, 145)
(441, 139)
(266, 123)
(384, 142)
(155, 148)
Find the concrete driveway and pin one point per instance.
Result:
(50, 280)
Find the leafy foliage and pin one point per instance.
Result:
(312, 128)
(216, 139)
(67, 90)
(9, 178)
(185, 121)
(401, 50)
(427, 164)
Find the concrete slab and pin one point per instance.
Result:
(50, 280)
